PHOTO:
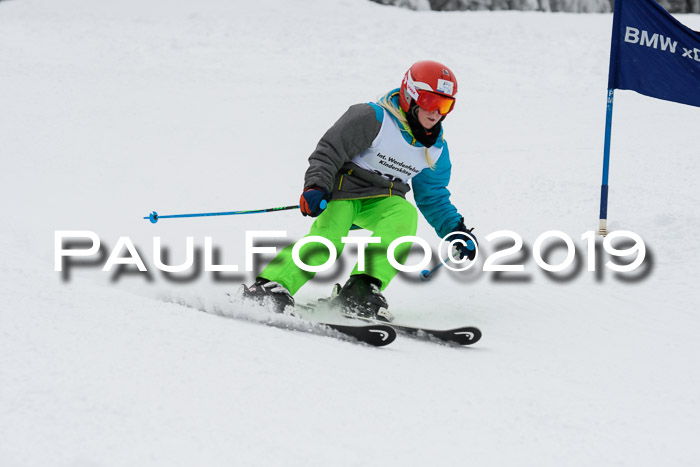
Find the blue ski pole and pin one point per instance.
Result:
(425, 273)
(154, 216)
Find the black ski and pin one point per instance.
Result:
(466, 335)
(378, 335)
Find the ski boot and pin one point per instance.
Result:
(269, 293)
(360, 297)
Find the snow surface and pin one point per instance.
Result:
(113, 109)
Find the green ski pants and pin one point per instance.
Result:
(387, 218)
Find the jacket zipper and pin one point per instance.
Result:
(349, 172)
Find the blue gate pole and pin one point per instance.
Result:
(603, 222)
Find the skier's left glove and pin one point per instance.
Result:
(313, 201)
(468, 244)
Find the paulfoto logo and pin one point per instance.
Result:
(508, 255)
(125, 244)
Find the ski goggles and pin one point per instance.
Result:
(430, 101)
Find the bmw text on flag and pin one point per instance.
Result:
(653, 54)
(658, 41)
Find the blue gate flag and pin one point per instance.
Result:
(653, 54)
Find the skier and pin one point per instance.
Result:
(359, 175)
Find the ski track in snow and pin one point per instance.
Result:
(114, 109)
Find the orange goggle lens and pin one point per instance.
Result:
(430, 102)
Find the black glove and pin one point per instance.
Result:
(468, 244)
(313, 201)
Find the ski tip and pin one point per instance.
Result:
(382, 335)
(377, 335)
(466, 335)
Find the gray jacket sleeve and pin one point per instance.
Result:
(351, 134)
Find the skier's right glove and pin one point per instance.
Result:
(468, 245)
(313, 201)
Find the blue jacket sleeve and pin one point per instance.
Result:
(433, 198)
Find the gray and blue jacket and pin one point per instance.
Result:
(370, 152)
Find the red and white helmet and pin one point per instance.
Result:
(431, 85)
